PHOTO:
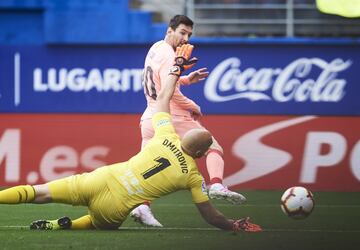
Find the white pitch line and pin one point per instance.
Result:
(14, 226)
(312, 230)
(253, 205)
(215, 229)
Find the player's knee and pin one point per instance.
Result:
(42, 194)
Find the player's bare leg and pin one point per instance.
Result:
(215, 167)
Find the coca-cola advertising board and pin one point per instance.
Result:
(261, 152)
(292, 79)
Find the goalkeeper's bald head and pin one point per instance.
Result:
(196, 142)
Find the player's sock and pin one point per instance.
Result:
(18, 194)
(83, 222)
(215, 180)
(215, 165)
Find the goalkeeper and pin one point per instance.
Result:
(164, 166)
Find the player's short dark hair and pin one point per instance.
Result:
(180, 19)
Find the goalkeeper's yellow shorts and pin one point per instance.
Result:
(91, 190)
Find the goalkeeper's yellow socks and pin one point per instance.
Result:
(82, 223)
(18, 194)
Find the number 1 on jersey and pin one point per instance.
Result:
(162, 163)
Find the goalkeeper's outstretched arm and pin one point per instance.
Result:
(217, 219)
(214, 217)
(182, 62)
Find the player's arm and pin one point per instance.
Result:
(182, 63)
(212, 216)
(186, 103)
(194, 77)
(163, 99)
(162, 119)
(178, 98)
(200, 197)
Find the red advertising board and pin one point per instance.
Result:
(261, 152)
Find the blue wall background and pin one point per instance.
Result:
(75, 21)
(87, 56)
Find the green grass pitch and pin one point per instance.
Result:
(334, 224)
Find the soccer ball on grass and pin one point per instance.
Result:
(297, 202)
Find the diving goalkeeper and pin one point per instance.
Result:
(163, 166)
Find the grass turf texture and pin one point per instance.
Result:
(334, 224)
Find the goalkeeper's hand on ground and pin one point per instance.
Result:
(245, 225)
(182, 61)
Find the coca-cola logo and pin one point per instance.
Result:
(305, 79)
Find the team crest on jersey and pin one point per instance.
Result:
(163, 122)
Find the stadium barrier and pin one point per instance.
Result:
(290, 111)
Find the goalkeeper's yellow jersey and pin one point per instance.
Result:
(160, 168)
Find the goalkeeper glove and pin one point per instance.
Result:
(245, 225)
(182, 61)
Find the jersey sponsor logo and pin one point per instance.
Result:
(303, 80)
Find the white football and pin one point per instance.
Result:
(297, 202)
